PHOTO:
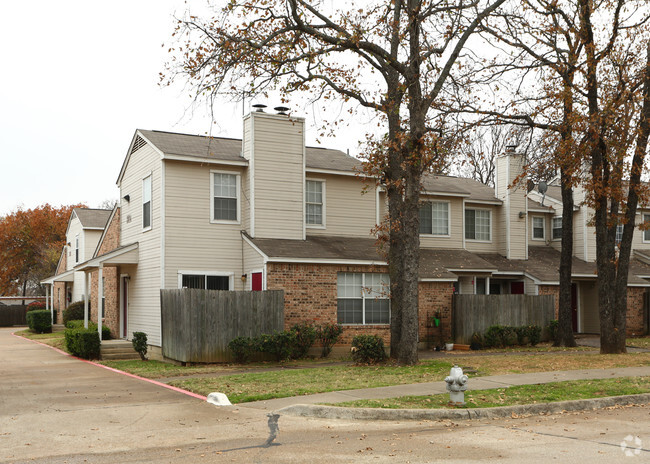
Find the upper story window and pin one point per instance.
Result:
(619, 233)
(538, 228)
(224, 197)
(363, 298)
(76, 248)
(646, 233)
(477, 224)
(557, 228)
(314, 203)
(434, 218)
(205, 281)
(146, 202)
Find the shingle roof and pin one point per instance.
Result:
(536, 205)
(92, 218)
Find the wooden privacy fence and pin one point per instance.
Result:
(475, 313)
(198, 324)
(13, 315)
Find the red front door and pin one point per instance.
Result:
(256, 283)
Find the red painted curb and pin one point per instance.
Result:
(160, 384)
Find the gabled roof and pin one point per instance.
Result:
(92, 218)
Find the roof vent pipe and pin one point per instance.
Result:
(281, 110)
(259, 107)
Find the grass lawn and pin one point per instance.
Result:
(524, 394)
(55, 339)
(242, 388)
(642, 342)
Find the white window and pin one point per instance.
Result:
(103, 297)
(434, 218)
(477, 224)
(557, 228)
(314, 203)
(619, 233)
(205, 280)
(224, 197)
(76, 248)
(646, 233)
(538, 228)
(363, 298)
(146, 202)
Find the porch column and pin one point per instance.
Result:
(47, 302)
(100, 296)
(86, 277)
(487, 285)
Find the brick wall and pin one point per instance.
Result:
(310, 295)
(59, 288)
(634, 322)
(435, 297)
(111, 277)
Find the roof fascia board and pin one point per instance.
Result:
(254, 247)
(194, 159)
(344, 262)
(333, 172)
(433, 279)
(483, 271)
(485, 202)
(444, 194)
(95, 262)
(108, 222)
(128, 154)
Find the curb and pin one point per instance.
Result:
(334, 412)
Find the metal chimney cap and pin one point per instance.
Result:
(511, 148)
(281, 110)
(259, 107)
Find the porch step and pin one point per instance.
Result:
(112, 350)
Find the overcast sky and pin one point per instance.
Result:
(77, 79)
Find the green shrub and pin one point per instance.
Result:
(242, 348)
(492, 337)
(552, 329)
(328, 335)
(305, 337)
(74, 312)
(83, 343)
(476, 342)
(79, 324)
(522, 335)
(139, 342)
(534, 333)
(279, 344)
(36, 305)
(368, 349)
(39, 321)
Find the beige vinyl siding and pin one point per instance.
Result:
(348, 212)
(192, 242)
(456, 215)
(73, 230)
(78, 287)
(476, 246)
(530, 287)
(278, 176)
(90, 240)
(144, 286)
(637, 239)
(253, 261)
(466, 285)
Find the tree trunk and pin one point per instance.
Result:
(564, 335)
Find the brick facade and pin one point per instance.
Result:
(310, 295)
(59, 289)
(111, 277)
(551, 290)
(435, 298)
(635, 322)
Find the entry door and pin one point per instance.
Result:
(256, 281)
(517, 288)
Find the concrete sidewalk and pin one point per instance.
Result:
(432, 388)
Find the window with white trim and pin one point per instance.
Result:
(557, 228)
(434, 218)
(205, 281)
(646, 233)
(76, 248)
(225, 197)
(538, 228)
(477, 224)
(314, 211)
(146, 202)
(363, 298)
(619, 233)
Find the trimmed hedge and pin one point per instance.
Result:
(83, 343)
(499, 336)
(289, 344)
(74, 312)
(328, 335)
(39, 321)
(139, 343)
(79, 324)
(368, 349)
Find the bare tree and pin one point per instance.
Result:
(398, 59)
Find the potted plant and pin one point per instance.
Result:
(449, 345)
